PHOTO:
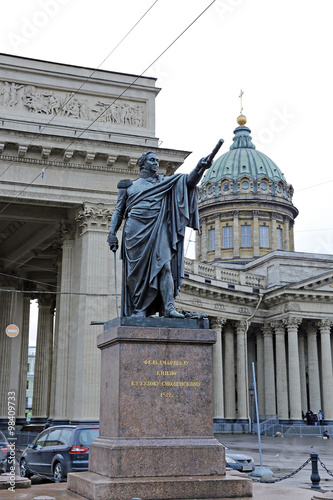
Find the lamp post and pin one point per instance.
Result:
(251, 390)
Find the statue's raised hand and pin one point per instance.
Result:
(205, 162)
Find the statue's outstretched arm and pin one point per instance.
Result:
(195, 176)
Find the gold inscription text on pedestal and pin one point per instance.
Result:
(165, 362)
(152, 383)
(165, 383)
(166, 395)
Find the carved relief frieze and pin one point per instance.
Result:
(78, 106)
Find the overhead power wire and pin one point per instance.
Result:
(314, 186)
(115, 100)
(74, 93)
(51, 292)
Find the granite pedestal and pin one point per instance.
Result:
(156, 422)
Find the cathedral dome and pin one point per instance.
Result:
(245, 205)
(243, 166)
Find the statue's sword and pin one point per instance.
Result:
(115, 281)
(215, 150)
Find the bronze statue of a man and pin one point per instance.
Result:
(157, 209)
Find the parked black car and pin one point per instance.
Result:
(4, 452)
(57, 451)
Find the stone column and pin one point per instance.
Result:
(217, 237)
(5, 352)
(291, 236)
(198, 246)
(64, 320)
(270, 398)
(93, 280)
(21, 417)
(204, 237)
(295, 403)
(43, 363)
(242, 385)
(326, 368)
(260, 372)
(273, 232)
(286, 242)
(236, 233)
(281, 371)
(229, 373)
(302, 371)
(218, 396)
(313, 368)
(256, 236)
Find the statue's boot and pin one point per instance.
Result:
(172, 313)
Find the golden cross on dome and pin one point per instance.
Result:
(241, 101)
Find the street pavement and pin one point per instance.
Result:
(282, 455)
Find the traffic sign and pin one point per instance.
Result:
(12, 331)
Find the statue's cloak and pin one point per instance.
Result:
(153, 235)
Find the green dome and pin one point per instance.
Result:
(243, 160)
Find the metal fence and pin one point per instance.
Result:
(269, 426)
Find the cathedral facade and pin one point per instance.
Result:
(67, 136)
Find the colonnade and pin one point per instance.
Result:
(67, 364)
(293, 361)
(292, 355)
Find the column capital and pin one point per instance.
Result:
(228, 329)
(312, 327)
(259, 334)
(278, 326)
(241, 327)
(46, 300)
(66, 231)
(235, 213)
(325, 324)
(218, 322)
(93, 217)
(10, 281)
(292, 322)
(267, 330)
(65, 237)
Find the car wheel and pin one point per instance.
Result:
(24, 472)
(58, 472)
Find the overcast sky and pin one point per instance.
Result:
(278, 51)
